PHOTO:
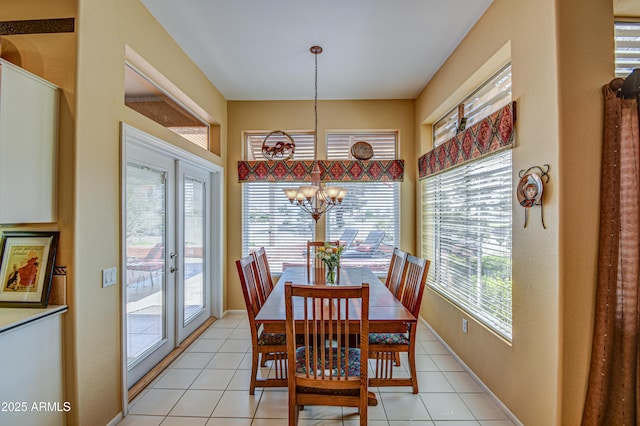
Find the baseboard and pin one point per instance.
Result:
(115, 420)
(480, 383)
(234, 311)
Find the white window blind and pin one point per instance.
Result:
(368, 206)
(339, 145)
(627, 42)
(467, 223)
(305, 148)
(484, 101)
(269, 220)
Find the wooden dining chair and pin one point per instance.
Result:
(265, 282)
(315, 266)
(312, 260)
(383, 347)
(329, 368)
(396, 271)
(272, 345)
(394, 280)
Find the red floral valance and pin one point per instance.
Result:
(330, 171)
(492, 134)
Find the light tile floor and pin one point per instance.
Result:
(209, 385)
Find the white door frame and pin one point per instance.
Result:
(132, 135)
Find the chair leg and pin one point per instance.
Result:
(254, 371)
(372, 400)
(397, 358)
(293, 410)
(363, 408)
(412, 366)
(263, 358)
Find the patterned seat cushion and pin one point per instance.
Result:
(388, 339)
(353, 361)
(270, 339)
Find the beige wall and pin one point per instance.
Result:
(561, 53)
(541, 374)
(332, 116)
(92, 59)
(104, 31)
(586, 63)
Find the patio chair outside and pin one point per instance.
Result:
(347, 237)
(367, 248)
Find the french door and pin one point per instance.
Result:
(194, 242)
(167, 241)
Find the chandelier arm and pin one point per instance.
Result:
(304, 206)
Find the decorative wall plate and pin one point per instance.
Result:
(278, 145)
(362, 150)
(529, 191)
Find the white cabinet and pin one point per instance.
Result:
(28, 146)
(32, 368)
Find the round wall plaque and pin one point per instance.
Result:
(362, 150)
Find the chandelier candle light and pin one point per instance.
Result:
(315, 199)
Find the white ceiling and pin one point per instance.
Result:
(373, 49)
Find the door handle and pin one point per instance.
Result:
(173, 269)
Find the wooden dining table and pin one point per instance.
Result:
(386, 313)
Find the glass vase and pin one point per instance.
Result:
(331, 274)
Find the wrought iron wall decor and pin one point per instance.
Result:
(278, 145)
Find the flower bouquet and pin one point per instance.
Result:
(330, 256)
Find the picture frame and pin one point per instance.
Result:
(26, 268)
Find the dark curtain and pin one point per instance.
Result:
(612, 396)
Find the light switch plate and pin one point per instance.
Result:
(109, 276)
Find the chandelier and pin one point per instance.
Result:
(316, 199)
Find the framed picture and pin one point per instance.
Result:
(26, 268)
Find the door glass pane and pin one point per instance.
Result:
(145, 264)
(194, 229)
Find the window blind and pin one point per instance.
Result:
(467, 235)
(339, 145)
(305, 148)
(484, 101)
(269, 220)
(627, 45)
(368, 206)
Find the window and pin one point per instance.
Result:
(147, 98)
(269, 220)
(627, 41)
(368, 206)
(485, 100)
(467, 227)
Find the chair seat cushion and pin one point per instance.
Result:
(388, 339)
(270, 339)
(353, 360)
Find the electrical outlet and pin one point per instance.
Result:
(464, 326)
(109, 276)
